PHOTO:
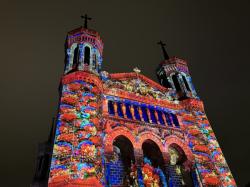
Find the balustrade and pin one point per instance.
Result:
(142, 113)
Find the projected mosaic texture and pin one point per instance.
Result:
(124, 129)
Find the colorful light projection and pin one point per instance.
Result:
(78, 150)
(77, 147)
(152, 176)
(136, 107)
(210, 161)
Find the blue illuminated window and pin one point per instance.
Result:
(152, 115)
(111, 108)
(128, 113)
(119, 109)
(144, 114)
(137, 115)
(169, 120)
(160, 117)
(175, 120)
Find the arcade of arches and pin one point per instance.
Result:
(148, 164)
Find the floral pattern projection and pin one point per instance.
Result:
(210, 161)
(77, 149)
(152, 177)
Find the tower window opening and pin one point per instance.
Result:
(186, 83)
(176, 83)
(86, 55)
(165, 82)
(76, 58)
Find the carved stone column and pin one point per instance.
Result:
(105, 106)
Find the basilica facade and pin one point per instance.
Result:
(124, 129)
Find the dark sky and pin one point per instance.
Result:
(213, 36)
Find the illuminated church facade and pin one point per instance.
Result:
(124, 129)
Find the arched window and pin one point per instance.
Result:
(86, 55)
(186, 83)
(76, 58)
(176, 83)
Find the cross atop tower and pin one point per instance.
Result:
(86, 18)
(165, 54)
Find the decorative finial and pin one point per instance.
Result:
(86, 18)
(165, 54)
(137, 70)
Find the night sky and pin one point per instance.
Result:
(213, 36)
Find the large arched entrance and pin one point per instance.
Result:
(121, 161)
(153, 168)
(126, 150)
(153, 153)
(179, 175)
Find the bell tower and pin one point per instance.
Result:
(173, 73)
(77, 148)
(83, 50)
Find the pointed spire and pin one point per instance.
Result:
(165, 54)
